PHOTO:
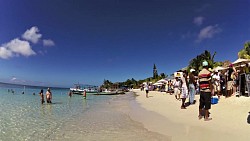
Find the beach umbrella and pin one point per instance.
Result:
(163, 81)
(219, 68)
(239, 61)
(158, 83)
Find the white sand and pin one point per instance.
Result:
(161, 113)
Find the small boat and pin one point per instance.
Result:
(110, 93)
(79, 90)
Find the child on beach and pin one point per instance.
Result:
(41, 95)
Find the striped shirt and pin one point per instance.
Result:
(204, 80)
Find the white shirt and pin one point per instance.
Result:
(216, 78)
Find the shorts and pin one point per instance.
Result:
(147, 91)
(184, 92)
(205, 100)
(216, 88)
(229, 85)
(177, 91)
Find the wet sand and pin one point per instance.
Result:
(161, 113)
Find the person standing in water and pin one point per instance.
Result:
(70, 93)
(48, 96)
(84, 94)
(42, 96)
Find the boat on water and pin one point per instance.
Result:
(78, 89)
(112, 92)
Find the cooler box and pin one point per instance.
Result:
(214, 100)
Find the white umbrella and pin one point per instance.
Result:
(163, 81)
(239, 61)
(158, 83)
(219, 68)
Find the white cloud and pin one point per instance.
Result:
(32, 35)
(5, 53)
(13, 79)
(16, 47)
(198, 20)
(20, 47)
(208, 32)
(48, 42)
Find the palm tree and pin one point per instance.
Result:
(196, 63)
(245, 52)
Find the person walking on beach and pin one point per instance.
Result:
(48, 96)
(184, 90)
(205, 91)
(191, 86)
(146, 89)
(42, 96)
(177, 86)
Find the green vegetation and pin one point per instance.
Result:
(196, 63)
(245, 52)
(132, 83)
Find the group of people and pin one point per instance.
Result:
(48, 96)
(207, 83)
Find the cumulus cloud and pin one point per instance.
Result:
(208, 32)
(5, 53)
(48, 42)
(32, 35)
(16, 47)
(198, 20)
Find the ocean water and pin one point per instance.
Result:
(24, 118)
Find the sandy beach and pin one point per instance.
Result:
(161, 113)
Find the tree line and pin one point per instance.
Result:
(195, 63)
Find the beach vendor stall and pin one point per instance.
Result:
(243, 76)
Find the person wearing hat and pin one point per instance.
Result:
(205, 91)
(191, 86)
(177, 87)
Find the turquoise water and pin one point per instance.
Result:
(23, 117)
(97, 118)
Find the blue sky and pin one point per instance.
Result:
(62, 42)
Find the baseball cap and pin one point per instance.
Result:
(204, 63)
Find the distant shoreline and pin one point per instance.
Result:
(32, 86)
